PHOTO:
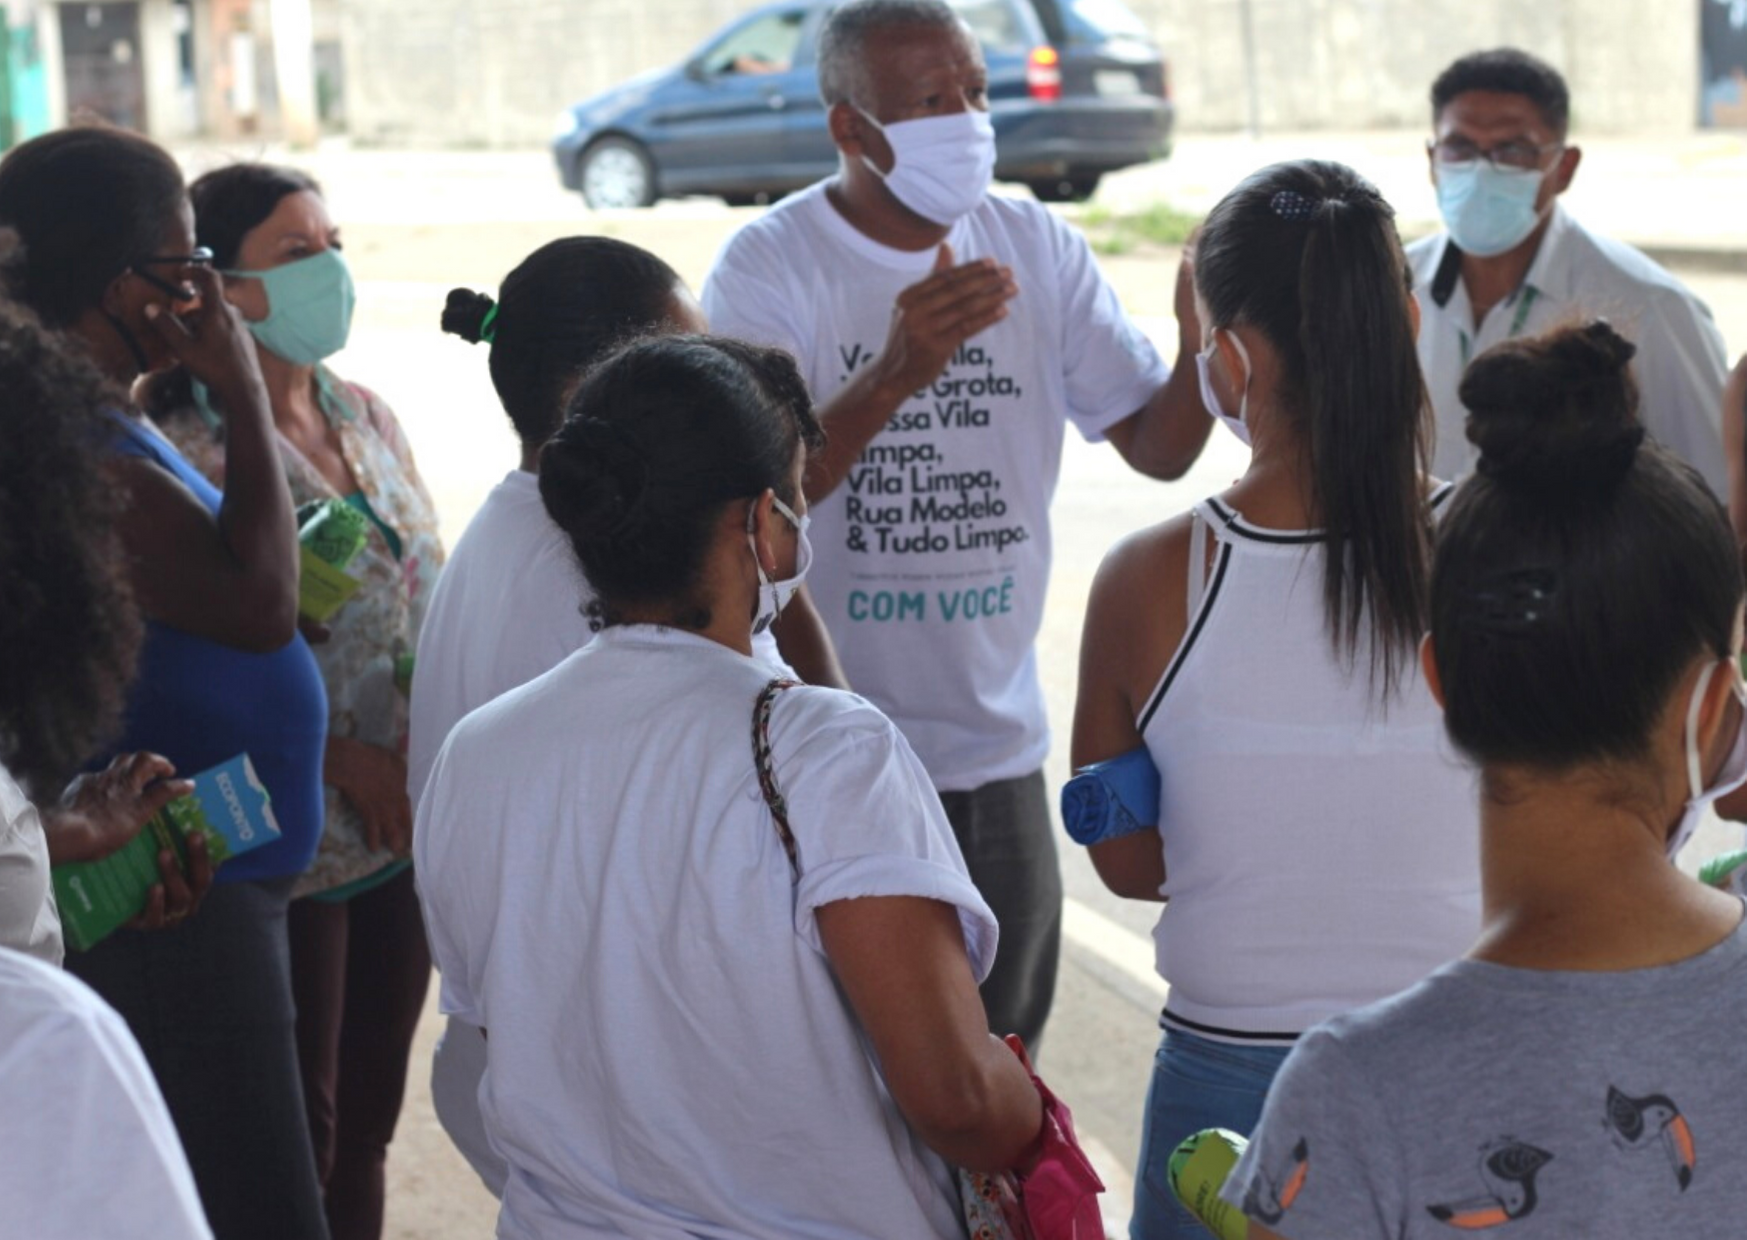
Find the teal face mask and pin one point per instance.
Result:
(1488, 210)
(309, 307)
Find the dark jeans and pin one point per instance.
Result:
(210, 1004)
(359, 970)
(1008, 843)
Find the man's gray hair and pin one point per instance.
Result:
(842, 55)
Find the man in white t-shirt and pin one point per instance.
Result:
(1512, 262)
(948, 335)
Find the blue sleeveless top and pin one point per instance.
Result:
(198, 702)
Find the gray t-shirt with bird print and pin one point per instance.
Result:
(1519, 1102)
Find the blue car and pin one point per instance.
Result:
(1077, 88)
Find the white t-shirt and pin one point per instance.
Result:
(509, 605)
(605, 892)
(1681, 363)
(86, 1144)
(29, 920)
(933, 556)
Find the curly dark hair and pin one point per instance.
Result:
(69, 631)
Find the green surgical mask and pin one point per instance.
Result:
(309, 307)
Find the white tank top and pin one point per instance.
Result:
(1321, 848)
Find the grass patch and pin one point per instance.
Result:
(1156, 225)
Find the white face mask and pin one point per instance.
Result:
(1210, 398)
(942, 165)
(1731, 777)
(773, 596)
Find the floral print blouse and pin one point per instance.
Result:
(380, 623)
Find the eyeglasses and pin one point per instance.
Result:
(201, 257)
(1514, 156)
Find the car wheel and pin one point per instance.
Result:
(1075, 188)
(616, 172)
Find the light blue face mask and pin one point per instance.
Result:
(309, 307)
(1488, 210)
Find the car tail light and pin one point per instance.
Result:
(1043, 74)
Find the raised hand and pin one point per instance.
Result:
(212, 340)
(937, 314)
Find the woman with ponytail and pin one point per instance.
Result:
(1313, 839)
(512, 603)
(1574, 1073)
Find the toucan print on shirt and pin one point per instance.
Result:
(1271, 1196)
(1507, 1169)
(1638, 1123)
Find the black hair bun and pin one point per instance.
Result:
(593, 479)
(1555, 414)
(465, 313)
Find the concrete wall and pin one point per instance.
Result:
(1632, 66)
(496, 72)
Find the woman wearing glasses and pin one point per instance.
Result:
(110, 261)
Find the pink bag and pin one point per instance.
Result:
(1061, 1192)
(1057, 1200)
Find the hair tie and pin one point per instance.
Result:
(1289, 204)
(488, 325)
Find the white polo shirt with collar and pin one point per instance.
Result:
(1681, 363)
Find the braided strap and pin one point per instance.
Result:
(761, 758)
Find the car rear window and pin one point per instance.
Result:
(996, 23)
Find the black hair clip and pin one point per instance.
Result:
(1514, 603)
(1289, 204)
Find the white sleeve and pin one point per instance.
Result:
(741, 300)
(1110, 367)
(1682, 366)
(440, 880)
(28, 919)
(86, 1144)
(866, 819)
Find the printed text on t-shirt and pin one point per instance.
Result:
(910, 498)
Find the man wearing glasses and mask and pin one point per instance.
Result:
(1512, 262)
